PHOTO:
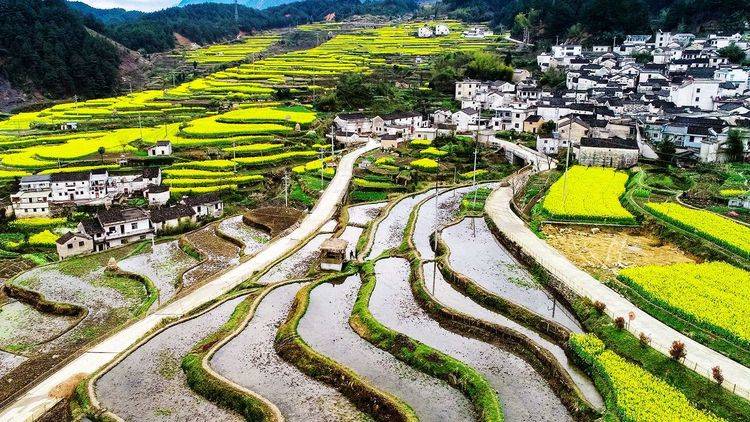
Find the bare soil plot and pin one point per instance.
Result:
(603, 253)
(219, 255)
(149, 385)
(273, 219)
(525, 395)
(477, 254)
(253, 239)
(325, 327)
(249, 359)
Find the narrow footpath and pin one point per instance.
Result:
(699, 358)
(39, 399)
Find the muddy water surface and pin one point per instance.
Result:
(361, 215)
(249, 359)
(297, 264)
(351, 234)
(164, 266)
(253, 239)
(9, 361)
(325, 327)
(149, 385)
(448, 204)
(524, 394)
(22, 325)
(477, 254)
(390, 231)
(448, 296)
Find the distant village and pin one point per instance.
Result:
(612, 111)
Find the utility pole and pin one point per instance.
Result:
(567, 161)
(333, 138)
(286, 189)
(322, 164)
(140, 126)
(476, 152)
(434, 261)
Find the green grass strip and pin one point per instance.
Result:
(291, 347)
(422, 357)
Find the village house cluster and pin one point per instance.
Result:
(612, 109)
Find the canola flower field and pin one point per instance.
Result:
(634, 394)
(590, 194)
(714, 295)
(257, 131)
(713, 227)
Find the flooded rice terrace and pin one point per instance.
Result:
(444, 293)
(448, 204)
(390, 231)
(361, 215)
(525, 395)
(164, 266)
(149, 385)
(325, 327)
(477, 254)
(297, 264)
(22, 326)
(253, 239)
(249, 359)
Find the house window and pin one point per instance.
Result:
(80, 243)
(70, 246)
(134, 226)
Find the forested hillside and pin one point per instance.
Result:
(106, 16)
(601, 20)
(44, 46)
(212, 22)
(255, 4)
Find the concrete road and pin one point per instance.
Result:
(36, 401)
(699, 358)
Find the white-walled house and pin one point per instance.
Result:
(72, 244)
(465, 118)
(162, 148)
(353, 123)
(442, 29)
(33, 197)
(207, 205)
(157, 195)
(117, 226)
(694, 92)
(167, 218)
(425, 32)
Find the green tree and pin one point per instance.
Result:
(666, 149)
(101, 152)
(735, 145)
(488, 66)
(642, 57)
(732, 52)
(553, 78)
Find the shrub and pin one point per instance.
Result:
(26, 225)
(600, 307)
(644, 340)
(425, 164)
(717, 375)
(678, 350)
(620, 323)
(45, 239)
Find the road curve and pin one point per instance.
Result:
(498, 208)
(38, 399)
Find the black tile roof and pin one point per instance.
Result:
(120, 215)
(161, 215)
(151, 172)
(617, 143)
(92, 227)
(69, 177)
(202, 199)
(69, 235)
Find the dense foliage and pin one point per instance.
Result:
(44, 46)
(211, 22)
(604, 19)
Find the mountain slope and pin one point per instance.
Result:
(254, 4)
(45, 47)
(107, 16)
